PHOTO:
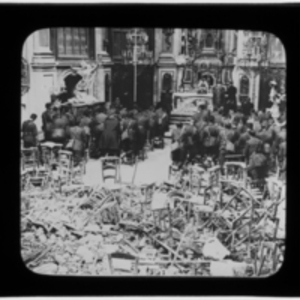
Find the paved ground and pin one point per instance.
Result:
(153, 169)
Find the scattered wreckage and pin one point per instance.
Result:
(199, 223)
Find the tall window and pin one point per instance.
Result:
(244, 85)
(42, 41)
(73, 42)
(44, 38)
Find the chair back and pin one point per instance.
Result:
(235, 158)
(110, 166)
(196, 177)
(214, 176)
(236, 172)
(46, 155)
(29, 158)
(65, 165)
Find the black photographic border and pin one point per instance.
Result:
(18, 21)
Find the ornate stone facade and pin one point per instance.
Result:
(243, 57)
(180, 56)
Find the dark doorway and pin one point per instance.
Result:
(145, 86)
(122, 84)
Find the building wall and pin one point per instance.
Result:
(47, 73)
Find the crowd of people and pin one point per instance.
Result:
(101, 129)
(257, 136)
(110, 129)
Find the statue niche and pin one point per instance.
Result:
(107, 86)
(167, 85)
(209, 41)
(167, 82)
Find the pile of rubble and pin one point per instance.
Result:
(150, 230)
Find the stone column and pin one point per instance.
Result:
(104, 61)
(166, 62)
(157, 52)
(177, 42)
(98, 87)
(256, 82)
(240, 44)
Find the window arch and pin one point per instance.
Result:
(244, 85)
(209, 41)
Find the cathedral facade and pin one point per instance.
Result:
(145, 65)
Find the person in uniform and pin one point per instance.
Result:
(97, 127)
(258, 166)
(218, 94)
(47, 122)
(251, 145)
(85, 123)
(230, 98)
(59, 130)
(30, 132)
(111, 136)
(78, 136)
(142, 123)
(244, 137)
(211, 138)
(247, 107)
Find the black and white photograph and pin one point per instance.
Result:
(153, 152)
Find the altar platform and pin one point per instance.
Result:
(185, 105)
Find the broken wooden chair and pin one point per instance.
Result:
(121, 263)
(24, 179)
(46, 156)
(110, 168)
(161, 211)
(39, 178)
(204, 212)
(30, 159)
(214, 176)
(234, 158)
(65, 168)
(257, 187)
(196, 179)
(147, 191)
(235, 172)
(174, 172)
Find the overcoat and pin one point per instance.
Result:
(110, 138)
(30, 133)
(77, 134)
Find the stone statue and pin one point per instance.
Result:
(87, 72)
(275, 98)
(202, 86)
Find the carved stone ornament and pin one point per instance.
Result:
(87, 72)
(168, 32)
(25, 80)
